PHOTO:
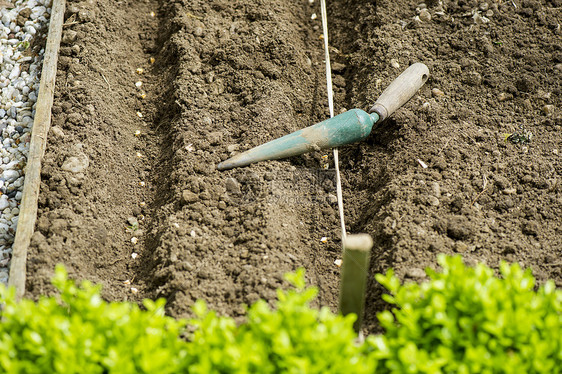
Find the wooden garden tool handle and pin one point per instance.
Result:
(400, 90)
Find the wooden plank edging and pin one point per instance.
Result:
(41, 124)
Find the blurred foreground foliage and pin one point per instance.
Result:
(463, 320)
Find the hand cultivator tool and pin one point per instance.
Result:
(346, 128)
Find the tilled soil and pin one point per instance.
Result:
(438, 177)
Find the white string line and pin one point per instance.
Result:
(327, 57)
(331, 106)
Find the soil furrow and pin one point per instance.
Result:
(86, 216)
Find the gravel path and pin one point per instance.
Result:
(24, 26)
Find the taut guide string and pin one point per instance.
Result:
(331, 106)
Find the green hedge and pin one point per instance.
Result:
(464, 320)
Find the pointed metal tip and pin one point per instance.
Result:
(240, 160)
(223, 166)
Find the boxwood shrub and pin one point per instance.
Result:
(463, 320)
(467, 320)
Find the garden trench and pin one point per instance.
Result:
(228, 76)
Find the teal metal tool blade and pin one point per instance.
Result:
(349, 127)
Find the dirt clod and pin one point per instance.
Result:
(188, 197)
(459, 228)
(530, 228)
(415, 273)
(232, 186)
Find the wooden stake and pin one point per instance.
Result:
(355, 267)
(41, 124)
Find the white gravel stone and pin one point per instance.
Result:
(15, 72)
(4, 203)
(10, 175)
(19, 85)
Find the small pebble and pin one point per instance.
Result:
(433, 201)
(435, 189)
(198, 31)
(138, 84)
(548, 110)
(424, 15)
(134, 255)
(460, 247)
(57, 132)
(504, 96)
(509, 191)
(338, 262)
(415, 273)
(324, 239)
(313, 16)
(479, 20)
(394, 63)
(436, 92)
